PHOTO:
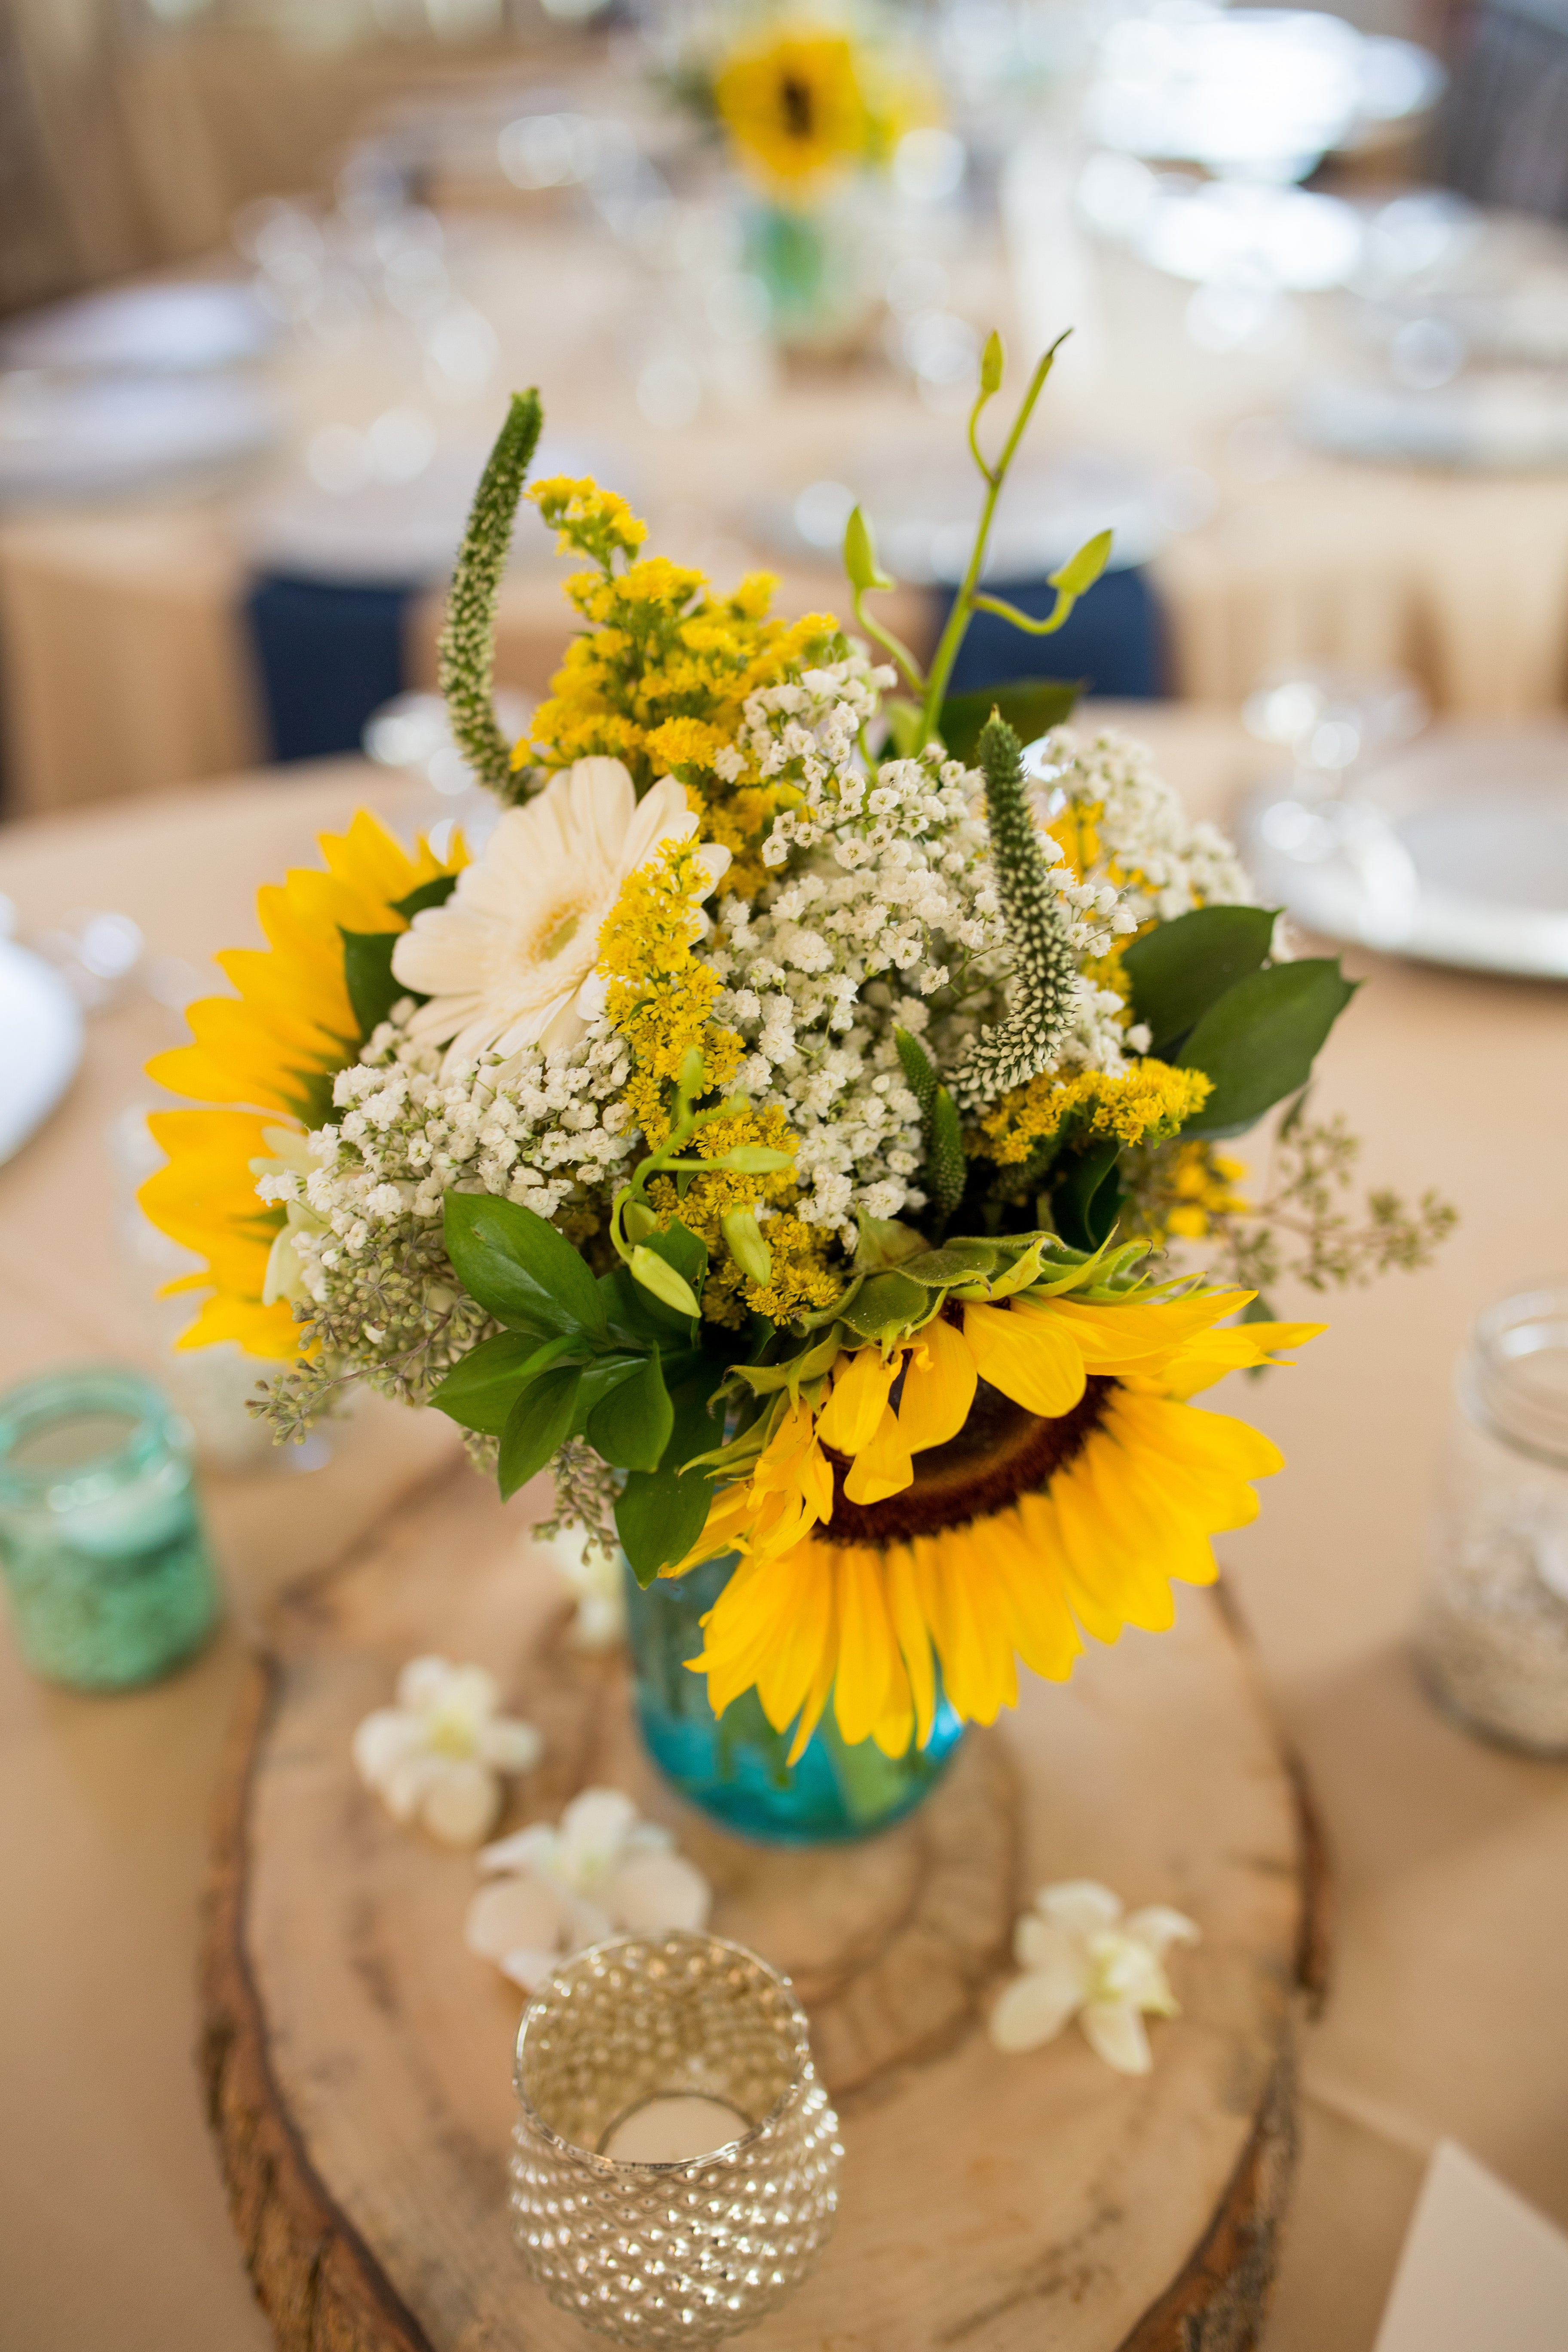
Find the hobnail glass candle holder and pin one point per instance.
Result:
(676, 2168)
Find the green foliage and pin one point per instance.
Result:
(1178, 970)
(367, 959)
(1303, 1230)
(945, 1170)
(1031, 707)
(468, 639)
(619, 1360)
(1086, 1199)
(1258, 1041)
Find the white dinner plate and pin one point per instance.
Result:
(136, 329)
(40, 1044)
(73, 438)
(1455, 853)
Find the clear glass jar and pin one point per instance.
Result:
(1492, 1639)
(735, 1765)
(100, 1539)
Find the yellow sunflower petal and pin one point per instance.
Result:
(1239, 1347)
(914, 1637)
(1031, 1358)
(868, 1651)
(848, 1421)
(938, 1386)
(881, 1467)
(1030, 1578)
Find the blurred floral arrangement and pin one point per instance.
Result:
(786, 1131)
(809, 108)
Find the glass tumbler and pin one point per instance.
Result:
(100, 1540)
(1492, 1637)
(676, 2168)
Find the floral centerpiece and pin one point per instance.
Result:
(811, 112)
(783, 1133)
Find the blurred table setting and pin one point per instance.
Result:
(1358, 451)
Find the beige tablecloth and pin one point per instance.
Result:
(1451, 1859)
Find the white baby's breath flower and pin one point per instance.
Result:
(436, 1756)
(1081, 1958)
(553, 1891)
(509, 960)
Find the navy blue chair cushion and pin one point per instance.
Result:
(328, 654)
(1112, 639)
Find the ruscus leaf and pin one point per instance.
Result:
(1180, 968)
(1258, 1042)
(631, 1427)
(482, 1387)
(520, 1268)
(537, 1426)
(1031, 707)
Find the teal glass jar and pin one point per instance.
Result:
(735, 1765)
(100, 1539)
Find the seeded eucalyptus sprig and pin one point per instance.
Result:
(1044, 970)
(467, 670)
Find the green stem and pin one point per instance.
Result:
(963, 604)
(889, 643)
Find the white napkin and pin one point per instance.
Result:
(1481, 2271)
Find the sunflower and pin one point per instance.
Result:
(271, 1051)
(1013, 1477)
(793, 105)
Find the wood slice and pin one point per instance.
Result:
(359, 2059)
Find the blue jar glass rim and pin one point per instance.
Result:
(76, 1392)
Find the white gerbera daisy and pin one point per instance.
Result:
(509, 961)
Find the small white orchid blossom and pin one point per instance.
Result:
(595, 1577)
(1082, 1959)
(600, 1872)
(436, 1755)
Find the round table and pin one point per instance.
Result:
(1452, 1894)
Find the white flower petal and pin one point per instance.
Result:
(380, 1742)
(533, 1848)
(1125, 1968)
(528, 1968)
(1159, 1927)
(592, 1829)
(1114, 2031)
(407, 1783)
(658, 1890)
(1033, 2009)
(508, 1913)
(509, 1745)
(1082, 1904)
(586, 1923)
(421, 1682)
(461, 1802)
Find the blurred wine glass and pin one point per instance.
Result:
(1332, 720)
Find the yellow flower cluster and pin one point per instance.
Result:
(808, 104)
(660, 677)
(1202, 1181)
(1142, 1103)
(800, 1277)
(587, 519)
(660, 994)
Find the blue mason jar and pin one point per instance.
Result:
(735, 1765)
(100, 1540)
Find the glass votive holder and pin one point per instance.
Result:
(100, 1539)
(1492, 1637)
(676, 2168)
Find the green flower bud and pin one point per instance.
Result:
(744, 1239)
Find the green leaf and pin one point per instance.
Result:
(367, 971)
(860, 565)
(632, 1426)
(1031, 707)
(636, 1315)
(1087, 1196)
(1080, 572)
(1257, 1043)
(434, 893)
(599, 1378)
(886, 1303)
(520, 1268)
(1181, 968)
(537, 1426)
(482, 1387)
(658, 1517)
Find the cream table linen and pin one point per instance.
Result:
(1451, 1859)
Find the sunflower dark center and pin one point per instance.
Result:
(795, 98)
(1002, 1451)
